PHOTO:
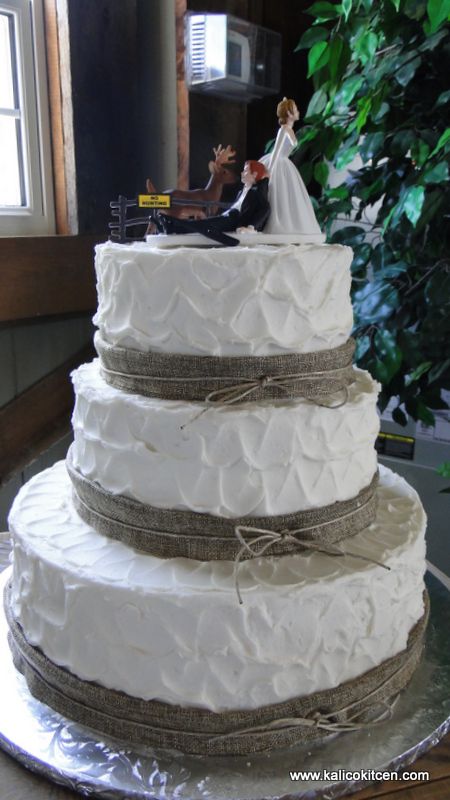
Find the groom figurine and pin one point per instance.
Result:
(250, 210)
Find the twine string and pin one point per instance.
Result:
(227, 395)
(322, 721)
(325, 721)
(270, 538)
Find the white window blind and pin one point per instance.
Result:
(26, 197)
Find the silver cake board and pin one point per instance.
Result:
(82, 760)
(245, 239)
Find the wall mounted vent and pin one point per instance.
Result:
(229, 57)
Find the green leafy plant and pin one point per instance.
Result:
(444, 471)
(380, 70)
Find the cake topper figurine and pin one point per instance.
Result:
(196, 203)
(248, 213)
(291, 209)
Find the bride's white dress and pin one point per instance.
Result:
(291, 209)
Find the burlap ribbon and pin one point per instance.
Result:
(173, 533)
(230, 379)
(358, 703)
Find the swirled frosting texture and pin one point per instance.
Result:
(224, 301)
(252, 459)
(173, 629)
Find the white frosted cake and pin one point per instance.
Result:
(170, 633)
(173, 629)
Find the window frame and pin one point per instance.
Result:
(37, 216)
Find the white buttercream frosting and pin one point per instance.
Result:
(260, 300)
(173, 629)
(250, 459)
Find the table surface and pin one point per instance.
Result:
(17, 783)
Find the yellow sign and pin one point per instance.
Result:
(154, 200)
(396, 437)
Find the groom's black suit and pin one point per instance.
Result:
(254, 211)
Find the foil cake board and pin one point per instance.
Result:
(244, 239)
(80, 759)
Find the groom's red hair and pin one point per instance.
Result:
(258, 168)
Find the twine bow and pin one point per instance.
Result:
(227, 395)
(324, 721)
(274, 537)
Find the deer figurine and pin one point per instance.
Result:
(220, 175)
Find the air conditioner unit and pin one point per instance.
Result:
(231, 58)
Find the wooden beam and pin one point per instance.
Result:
(46, 275)
(38, 417)
(182, 98)
(56, 116)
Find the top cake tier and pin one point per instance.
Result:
(260, 300)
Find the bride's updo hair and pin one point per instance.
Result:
(285, 106)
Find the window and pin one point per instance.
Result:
(26, 197)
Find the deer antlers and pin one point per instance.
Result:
(224, 155)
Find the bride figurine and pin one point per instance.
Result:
(291, 209)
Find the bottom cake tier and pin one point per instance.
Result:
(173, 631)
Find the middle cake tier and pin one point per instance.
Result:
(255, 459)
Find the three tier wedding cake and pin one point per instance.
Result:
(220, 566)
(123, 605)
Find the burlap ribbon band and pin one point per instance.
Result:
(173, 533)
(229, 379)
(358, 703)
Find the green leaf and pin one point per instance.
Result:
(348, 90)
(373, 192)
(372, 145)
(425, 415)
(415, 9)
(437, 11)
(324, 11)
(335, 54)
(321, 173)
(406, 73)
(413, 202)
(346, 8)
(432, 41)
(346, 157)
(382, 111)
(375, 302)
(396, 4)
(306, 172)
(443, 99)
(350, 235)
(419, 371)
(437, 291)
(316, 104)
(307, 134)
(389, 355)
(436, 174)
(443, 139)
(361, 257)
(410, 343)
(318, 56)
(399, 417)
(419, 152)
(341, 192)
(362, 347)
(402, 142)
(365, 46)
(311, 36)
(438, 370)
(394, 270)
(364, 106)
(444, 469)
